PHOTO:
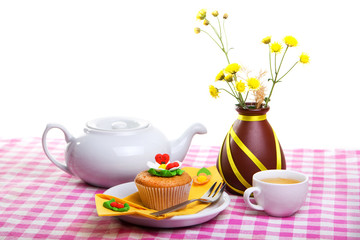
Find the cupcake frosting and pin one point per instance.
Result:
(162, 167)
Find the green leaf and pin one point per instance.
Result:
(204, 170)
(165, 173)
(108, 206)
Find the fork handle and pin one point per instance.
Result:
(173, 208)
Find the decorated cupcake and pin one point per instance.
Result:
(164, 184)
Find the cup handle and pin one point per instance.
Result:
(247, 194)
(68, 138)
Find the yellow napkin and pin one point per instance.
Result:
(136, 206)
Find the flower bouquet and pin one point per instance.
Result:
(238, 79)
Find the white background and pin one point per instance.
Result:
(73, 61)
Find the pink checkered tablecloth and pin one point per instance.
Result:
(38, 200)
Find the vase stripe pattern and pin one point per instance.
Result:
(246, 150)
(251, 118)
(232, 164)
(278, 153)
(230, 158)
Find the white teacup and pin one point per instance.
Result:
(277, 199)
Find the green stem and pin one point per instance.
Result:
(272, 76)
(216, 32)
(227, 92)
(231, 88)
(275, 65)
(222, 44)
(276, 80)
(227, 47)
(282, 61)
(227, 57)
(212, 38)
(268, 98)
(287, 72)
(273, 85)
(219, 26)
(271, 71)
(246, 95)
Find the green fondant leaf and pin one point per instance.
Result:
(108, 206)
(153, 172)
(165, 173)
(204, 170)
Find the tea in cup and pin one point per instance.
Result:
(279, 193)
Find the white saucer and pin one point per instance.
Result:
(124, 190)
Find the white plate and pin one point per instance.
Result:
(124, 190)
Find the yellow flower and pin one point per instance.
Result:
(304, 58)
(201, 14)
(232, 68)
(215, 13)
(197, 30)
(290, 41)
(253, 83)
(214, 92)
(206, 22)
(225, 16)
(266, 40)
(276, 47)
(229, 77)
(220, 76)
(240, 86)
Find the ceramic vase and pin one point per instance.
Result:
(250, 146)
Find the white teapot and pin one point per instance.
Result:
(114, 150)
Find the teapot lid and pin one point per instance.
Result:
(117, 124)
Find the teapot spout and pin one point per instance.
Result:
(180, 146)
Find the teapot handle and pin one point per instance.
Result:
(68, 138)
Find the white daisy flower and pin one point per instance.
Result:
(160, 167)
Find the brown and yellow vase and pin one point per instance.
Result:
(250, 146)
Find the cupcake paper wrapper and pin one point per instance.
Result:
(162, 198)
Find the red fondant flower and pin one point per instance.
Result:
(172, 165)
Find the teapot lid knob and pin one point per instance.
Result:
(119, 125)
